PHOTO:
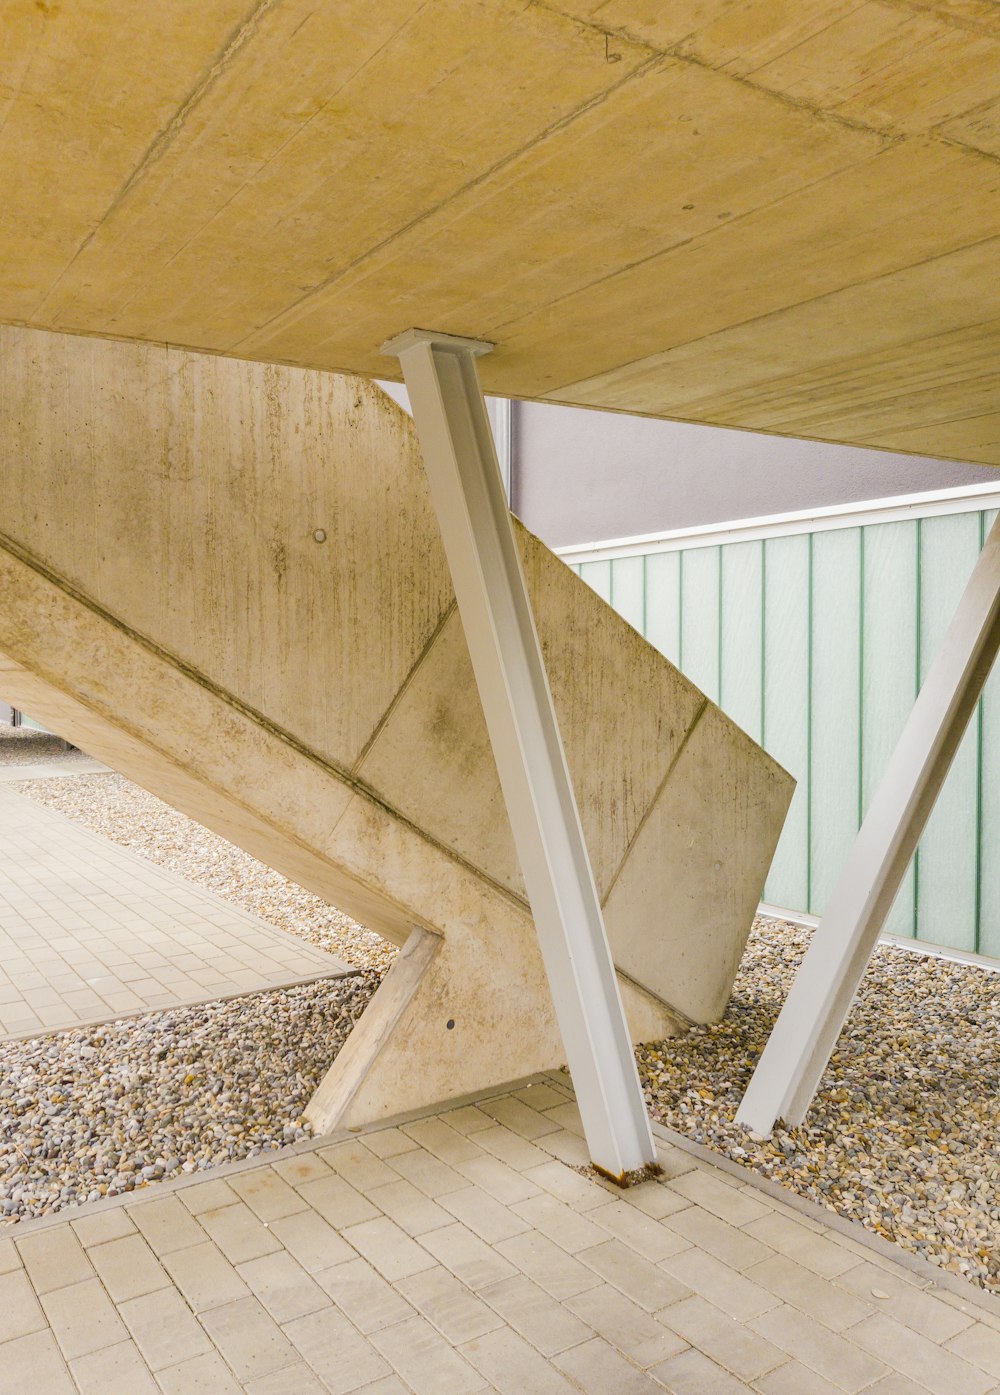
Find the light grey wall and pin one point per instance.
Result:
(582, 476)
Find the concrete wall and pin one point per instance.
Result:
(225, 579)
(582, 476)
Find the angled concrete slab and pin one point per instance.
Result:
(225, 580)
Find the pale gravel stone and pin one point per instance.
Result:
(116, 1108)
(904, 1133)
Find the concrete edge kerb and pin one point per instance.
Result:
(105, 1019)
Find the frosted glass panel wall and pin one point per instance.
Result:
(816, 645)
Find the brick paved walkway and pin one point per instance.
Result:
(462, 1253)
(89, 930)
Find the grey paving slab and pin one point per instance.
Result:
(90, 931)
(285, 1279)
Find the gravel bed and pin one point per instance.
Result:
(25, 746)
(128, 815)
(904, 1133)
(103, 1111)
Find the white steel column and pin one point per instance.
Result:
(466, 487)
(802, 1042)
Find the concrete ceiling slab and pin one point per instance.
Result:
(782, 215)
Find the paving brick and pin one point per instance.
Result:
(541, 1096)
(208, 1196)
(655, 1199)
(567, 1116)
(979, 1345)
(637, 1278)
(795, 1379)
(267, 1194)
(560, 1181)
(551, 1267)
(895, 1384)
(638, 1231)
(912, 1306)
(551, 1217)
(519, 1117)
(388, 1248)
(505, 1184)
(721, 1338)
(113, 1224)
(33, 1365)
(282, 1286)
(128, 1268)
(942, 1372)
(364, 1296)
(83, 1318)
(789, 1237)
(803, 1289)
(290, 1380)
(301, 1167)
(427, 1363)
(249, 1339)
(625, 1325)
(238, 1233)
(823, 1351)
(469, 1118)
(314, 1243)
(513, 1365)
(692, 1373)
(568, 1147)
(726, 1242)
(712, 1194)
(163, 1329)
(427, 1173)
(601, 1370)
(470, 1259)
(204, 1276)
(337, 1201)
(20, 1312)
(117, 1370)
(443, 1142)
(358, 1165)
(388, 1143)
(54, 1259)
(733, 1292)
(339, 1355)
(457, 1313)
(536, 1315)
(167, 1225)
(484, 1216)
(201, 1375)
(411, 1210)
(510, 1148)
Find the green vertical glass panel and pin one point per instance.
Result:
(889, 669)
(628, 589)
(663, 599)
(700, 619)
(786, 707)
(597, 575)
(741, 684)
(989, 812)
(836, 707)
(948, 854)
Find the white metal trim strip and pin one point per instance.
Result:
(930, 504)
